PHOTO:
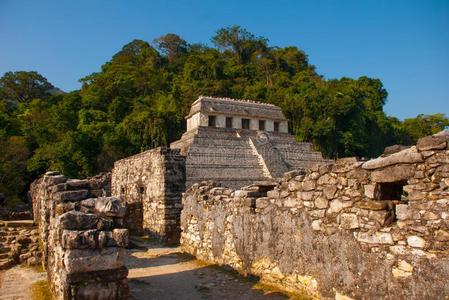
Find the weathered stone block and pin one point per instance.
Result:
(74, 220)
(308, 185)
(110, 207)
(372, 205)
(431, 143)
(77, 260)
(329, 191)
(416, 241)
(407, 156)
(74, 239)
(349, 221)
(374, 237)
(403, 212)
(71, 195)
(321, 202)
(370, 190)
(393, 173)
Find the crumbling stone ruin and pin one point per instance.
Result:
(368, 230)
(18, 244)
(152, 183)
(82, 237)
(364, 229)
(237, 142)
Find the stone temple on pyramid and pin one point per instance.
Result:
(238, 142)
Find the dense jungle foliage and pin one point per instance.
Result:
(140, 97)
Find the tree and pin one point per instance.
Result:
(24, 86)
(414, 128)
(240, 41)
(171, 45)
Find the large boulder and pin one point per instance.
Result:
(407, 156)
(433, 142)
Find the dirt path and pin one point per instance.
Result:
(165, 273)
(15, 283)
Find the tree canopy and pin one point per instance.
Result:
(140, 97)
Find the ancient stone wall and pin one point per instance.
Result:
(18, 244)
(378, 229)
(152, 183)
(81, 236)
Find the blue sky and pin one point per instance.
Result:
(405, 43)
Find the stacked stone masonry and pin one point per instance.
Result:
(151, 183)
(368, 230)
(82, 237)
(18, 244)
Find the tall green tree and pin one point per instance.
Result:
(24, 86)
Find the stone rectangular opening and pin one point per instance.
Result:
(245, 123)
(212, 121)
(391, 190)
(228, 122)
(276, 126)
(261, 124)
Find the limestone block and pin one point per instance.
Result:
(71, 195)
(335, 206)
(380, 216)
(403, 212)
(74, 220)
(308, 185)
(349, 221)
(393, 173)
(327, 179)
(374, 238)
(110, 207)
(370, 190)
(321, 202)
(372, 205)
(329, 191)
(316, 225)
(431, 143)
(78, 260)
(407, 156)
(74, 239)
(416, 241)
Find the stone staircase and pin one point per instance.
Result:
(237, 157)
(18, 243)
(224, 157)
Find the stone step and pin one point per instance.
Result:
(4, 255)
(6, 264)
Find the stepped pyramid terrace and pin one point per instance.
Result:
(237, 142)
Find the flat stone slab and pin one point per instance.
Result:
(18, 223)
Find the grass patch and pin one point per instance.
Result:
(40, 290)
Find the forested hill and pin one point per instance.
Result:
(140, 97)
